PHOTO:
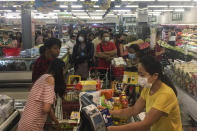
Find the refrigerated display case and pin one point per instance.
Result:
(18, 69)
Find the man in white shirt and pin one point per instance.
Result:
(71, 43)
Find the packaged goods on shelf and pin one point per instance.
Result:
(6, 107)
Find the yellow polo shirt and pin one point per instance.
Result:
(164, 100)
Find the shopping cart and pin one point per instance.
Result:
(102, 74)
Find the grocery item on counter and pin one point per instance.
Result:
(89, 85)
(6, 107)
(118, 62)
(108, 93)
(107, 117)
(117, 104)
(75, 115)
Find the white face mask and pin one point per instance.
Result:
(143, 82)
(81, 39)
(107, 39)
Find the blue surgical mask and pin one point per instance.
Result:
(131, 56)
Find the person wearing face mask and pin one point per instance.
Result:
(158, 98)
(120, 40)
(82, 55)
(133, 57)
(105, 51)
(71, 43)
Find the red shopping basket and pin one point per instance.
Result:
(11, 51)
(118, 71)
(72, 104)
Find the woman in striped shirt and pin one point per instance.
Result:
(42, 96)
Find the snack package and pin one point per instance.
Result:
(107, 117)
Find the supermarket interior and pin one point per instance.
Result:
(98, 65)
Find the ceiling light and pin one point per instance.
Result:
(94, 0)
(157, 6)
(56, 10)
(122, 10)
(84, 17)
(117, 6)
(179, 10)
(96, 6)
(162, 10)
(182, 6)
(76, 6)
(129, 14)
(15, 6)
(100, 10)
(132, 6)
(78, 10)
(63, 6)
(97, 17)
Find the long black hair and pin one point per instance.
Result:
(56, 68)
(84, 34)
(152, 66)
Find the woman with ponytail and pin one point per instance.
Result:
(159, 99)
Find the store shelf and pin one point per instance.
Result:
(16, 76)
(188, 101)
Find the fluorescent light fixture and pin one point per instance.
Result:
(56, 10)
(162, 10)
(154, 12)
(84, 17)
(132, 6)
(97, 17)
(19, 11)
(182, 6)
(117, 6)
(100, 10)
(15, 6)
(67, 0)
(157, 6)
(63, 6)
(129, 14)
(122, 10)
(78, 10)
(76, 6)
(96, 6)
(179, 10)
(94, 0)
(8, 10)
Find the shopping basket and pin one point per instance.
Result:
(100, 73)
(11, 51)
(70, 101)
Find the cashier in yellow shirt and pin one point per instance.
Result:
(158, 98)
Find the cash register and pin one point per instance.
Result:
(91, 119)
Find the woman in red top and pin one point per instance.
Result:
(42, 96)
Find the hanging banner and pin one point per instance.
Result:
(45, 5)
(104, 4)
